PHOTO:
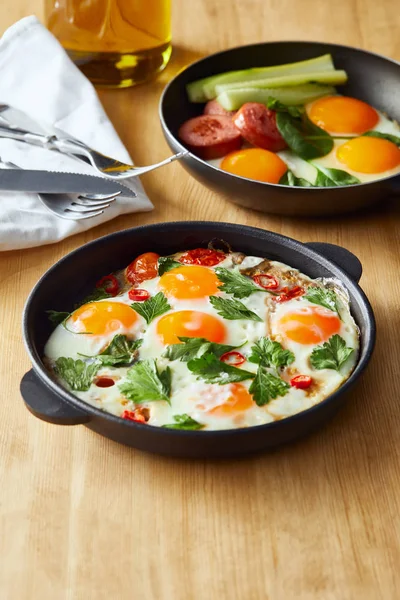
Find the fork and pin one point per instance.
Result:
(74, 207)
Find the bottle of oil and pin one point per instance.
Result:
(116, 43)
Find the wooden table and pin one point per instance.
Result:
(82, 518)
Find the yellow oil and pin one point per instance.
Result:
(116, 43)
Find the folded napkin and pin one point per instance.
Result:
(37, 77)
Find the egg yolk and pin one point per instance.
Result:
(369, 155)
(309, 325)
(255, 163)
(100, 318)
(190, 323)
(189, 282)
(341, 114)
(236, 400)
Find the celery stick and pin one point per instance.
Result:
(331, 77)
(292, 96)
(204, 89)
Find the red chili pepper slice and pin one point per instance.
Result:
(130, 415)
(138, 295)
(143, 267)
(267, 282)
(109, 283)
(233, 358)
(202, 256)
(302, 382)
(287, 294)
(104, 382)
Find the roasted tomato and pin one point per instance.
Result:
(143, 267)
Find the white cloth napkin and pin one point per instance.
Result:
(37, 77)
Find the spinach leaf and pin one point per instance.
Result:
(290, 179)
(384, 136)
(277, 106)
(334, 177)
(303, 137)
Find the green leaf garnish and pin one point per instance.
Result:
(145, 383)
(303, 137)
(384, 136)
(77, 373)
(233, 309)
(209, 368)
(270, 354)
(120, 351)
(184, 422)
(237, 284)
(277, 106)
(333, 177)
(153, 307)
(166, 263)
(99, 293)
(323, 297)
(290, 179)
(332, 354)
(195, 347)
(267, 387)
(57, 317)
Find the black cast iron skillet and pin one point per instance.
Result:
(372, 78)
(74, 276)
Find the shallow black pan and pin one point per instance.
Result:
(372, 78)
(74, 276)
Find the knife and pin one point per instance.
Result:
(54, 182)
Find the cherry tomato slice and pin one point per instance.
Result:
(143, 267)
(104, 382)
(202, 256)
(109, 283)
(130, 415)
(301, 382)
(267, 282)
(287, 294)
(233, 358)
(138, 295)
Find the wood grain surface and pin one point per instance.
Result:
(82, 518)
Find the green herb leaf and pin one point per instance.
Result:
(146, 384)
(57, 317)
(323, 297)
(166, 263)
(233, 309)
(212, 370)
(120, 351)
(334, 177)
(268, 353)
(295, 131)
(152, 308)
(99, 293)
(184, 422)
(77, 373)
(277, 106)
(331, 355)
(267, 387)
(384, 136)
(237, 284)
(195, 347)
(290, 179)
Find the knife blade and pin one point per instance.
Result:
(54, 182)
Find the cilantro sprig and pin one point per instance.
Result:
(194, 347)
(332, 354)
(166, 263)
(237, 284)
(184, 422)
(146, 383)
(323, 297)
(266, 386)
(270, 353)
(232, 310)
(153, 307)
(77, 373)
(209, 368)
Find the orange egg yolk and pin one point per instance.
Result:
(369, 155)
(341, 114)
(189, 282)
(238, 400)
(309, 325)
(100, 318)
(255, 163)
(190, 323)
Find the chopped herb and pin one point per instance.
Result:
(184, 422)
(153, 307)
(267, 387)
(212, 370)
(145, 383)
(120, 351)
(77, 373)
(233, 309)
(166, 263)
(237, 284)
(323, 297)
(270, 354)
(194, 347)
(57, 317)
(332, 354)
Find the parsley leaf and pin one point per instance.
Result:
(268, 353)
(166, 263)
(331, 355)
(185, 422)
(153, 307)
(267, 387)
(146, 384)
(99, 293)
(212, 370)
(233, 309)
(323, 297)
(195, 347)
(120, 351)
(237, 284)
(57, 317)
(78, 374)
